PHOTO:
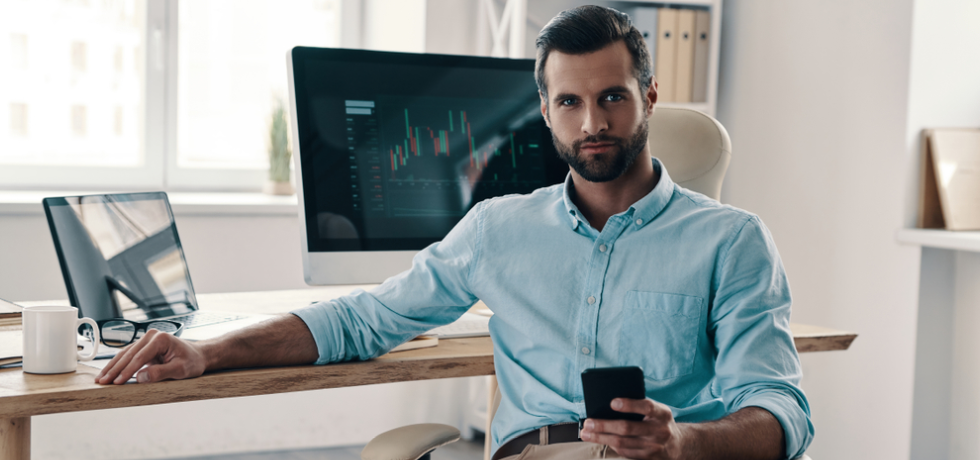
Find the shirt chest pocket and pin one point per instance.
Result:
(660, 333)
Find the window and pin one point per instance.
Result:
(231, 71)
(138, 94)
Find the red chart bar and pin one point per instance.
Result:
(391, 153)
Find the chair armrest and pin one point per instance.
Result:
(409, 442)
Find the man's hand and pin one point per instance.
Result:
(281, 341)
(751, 433)
(657, 436)
(165, 357)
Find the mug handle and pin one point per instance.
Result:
(95, 341)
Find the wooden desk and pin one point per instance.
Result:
(24, 395)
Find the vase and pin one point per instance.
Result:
(278, 188)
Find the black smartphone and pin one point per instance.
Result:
(602, 385)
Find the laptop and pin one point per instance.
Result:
(121, 257)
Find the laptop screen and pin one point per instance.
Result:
(120, 255)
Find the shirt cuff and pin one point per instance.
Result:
(321, 319)
(797, 427)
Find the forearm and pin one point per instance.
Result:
(282, 341)
(749, 433)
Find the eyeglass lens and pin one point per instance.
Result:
(162, 326)
(119, 333)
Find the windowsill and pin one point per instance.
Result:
(183, 203)
(942, 239)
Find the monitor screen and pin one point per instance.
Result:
(120, 255)
(394, 148)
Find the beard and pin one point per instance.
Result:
(608, 166)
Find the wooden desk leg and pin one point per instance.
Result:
(491, 392)
(15, 438)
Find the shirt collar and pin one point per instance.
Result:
(645, 208)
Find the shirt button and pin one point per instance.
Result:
(591, 300)
(585, 350)
(602, 248)
(639, 221)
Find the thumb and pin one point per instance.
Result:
(157, 372)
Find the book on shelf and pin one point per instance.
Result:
(666, 53)
(645, 20)
(702, 50)
(682, 54)
(684, 70)
(949, 184)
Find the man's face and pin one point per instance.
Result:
(596, 112)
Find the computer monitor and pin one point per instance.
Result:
(392, 149)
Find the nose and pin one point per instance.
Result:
(595, 120)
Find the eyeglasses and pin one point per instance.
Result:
(119, 332)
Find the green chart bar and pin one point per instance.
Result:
(408, 131)
(406, 153)
(450, 121)
(513, 154)
(418, 146)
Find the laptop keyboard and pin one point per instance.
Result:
(205, 318)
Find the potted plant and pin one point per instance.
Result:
(279, 153)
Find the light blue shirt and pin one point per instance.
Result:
(690, 290)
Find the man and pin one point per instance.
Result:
(617, 266)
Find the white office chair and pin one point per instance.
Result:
(696, 150)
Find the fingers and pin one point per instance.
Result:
(647, 407)
(634, 439)
(130, 360)
(166, 371)
(626, 428)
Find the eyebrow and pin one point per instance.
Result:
(609, 90)
(615, 89)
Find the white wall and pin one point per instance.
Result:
(814, 95)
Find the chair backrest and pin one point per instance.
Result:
(694, 147)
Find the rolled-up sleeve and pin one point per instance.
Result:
(757, 363)
(434, 292)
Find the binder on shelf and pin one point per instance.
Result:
(684, 69)
(666, 63)
(645, 20)
(949, 192)
(702, 35)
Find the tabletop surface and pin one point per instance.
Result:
(24, 395)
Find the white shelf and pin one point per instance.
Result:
(942, 239)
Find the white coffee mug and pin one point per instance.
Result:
(51, 339)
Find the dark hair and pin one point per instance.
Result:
(590, 28)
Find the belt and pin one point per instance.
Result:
(551, 434)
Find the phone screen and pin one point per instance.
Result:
(602, 385)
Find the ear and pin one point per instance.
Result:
(544, 109)
(651, 96)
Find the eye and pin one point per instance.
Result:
(567, 101)
(613, 97)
